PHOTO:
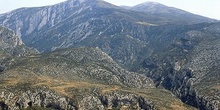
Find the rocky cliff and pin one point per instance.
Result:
(12, 44)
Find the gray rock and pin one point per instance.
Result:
(2, 68)
(36, 97)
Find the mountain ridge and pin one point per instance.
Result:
(158, 8)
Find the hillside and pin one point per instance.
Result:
(82, 78)
(188, 67)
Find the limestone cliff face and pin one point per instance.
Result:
(42, 97)
(27, 20)
(12, 44)
(116, 100)
(34, 97)
(8, 39)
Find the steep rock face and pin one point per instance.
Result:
(12, 44)
(116, 100)
(35, 97)
(9, 39)
(27, 20)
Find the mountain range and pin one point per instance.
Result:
(119, 50)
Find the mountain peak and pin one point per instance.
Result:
(152, 7)
(148, 3)
(78, 1)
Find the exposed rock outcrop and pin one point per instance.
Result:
(48, 99)
(2, 68)
(12, 44)
(116, 100)
(35, 97)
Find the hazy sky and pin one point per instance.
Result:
(208, 8)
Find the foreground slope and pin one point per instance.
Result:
(82, 78)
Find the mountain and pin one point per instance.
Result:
(176, 49)
(81, 78)
(169, 13)
(89, 23)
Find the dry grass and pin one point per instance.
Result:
(217, 87)
(11, 81)
(62, 86)
(176, 105)
(109, 89)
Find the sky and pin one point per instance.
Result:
(208, 8)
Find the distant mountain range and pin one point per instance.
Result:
(178, 50)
